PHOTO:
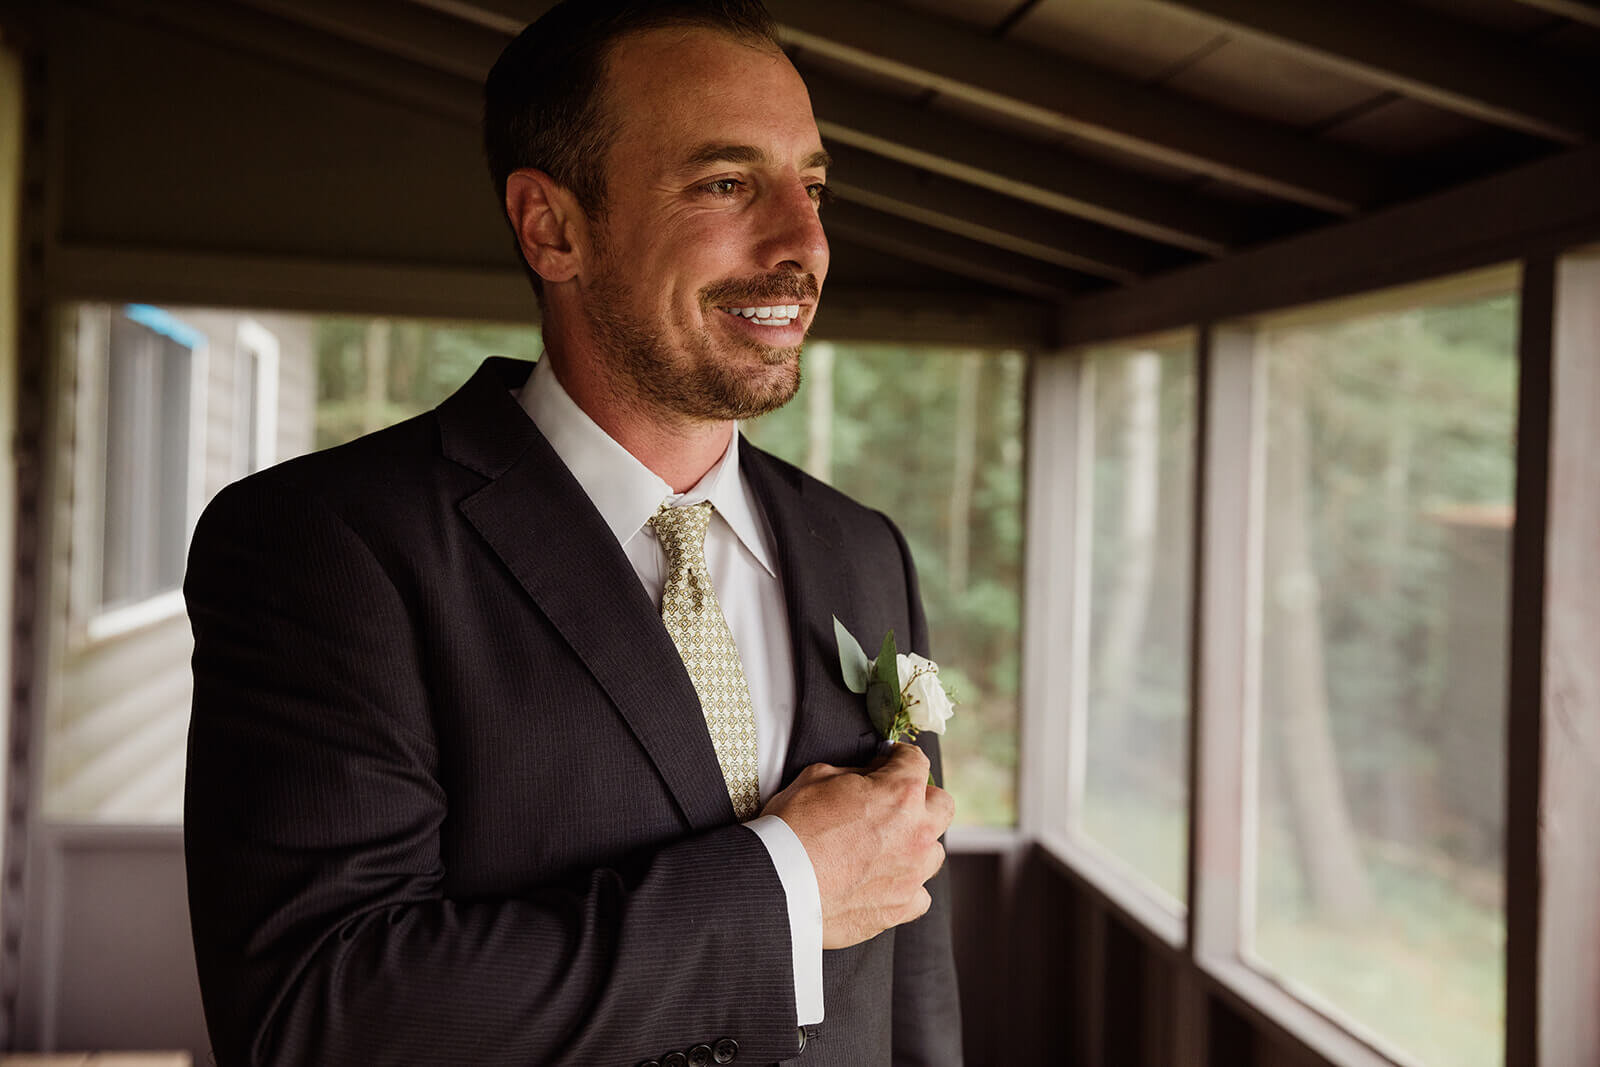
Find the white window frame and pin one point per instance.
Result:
(256, 359)
(90, 623)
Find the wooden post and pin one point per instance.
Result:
(1569, 810)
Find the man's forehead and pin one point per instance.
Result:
(710, 153)
(710, 86)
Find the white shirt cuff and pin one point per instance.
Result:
(799, 880)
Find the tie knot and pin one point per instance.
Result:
(683, 530)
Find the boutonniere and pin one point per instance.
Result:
(904, 694)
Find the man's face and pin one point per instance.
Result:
(709, 256)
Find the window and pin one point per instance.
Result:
(1386, 545)
(933, 437)
(148, 501)
(1139, 484)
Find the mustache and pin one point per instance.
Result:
(785, 287)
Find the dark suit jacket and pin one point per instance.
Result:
(451, 799)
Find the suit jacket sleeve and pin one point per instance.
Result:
(927, 1008)
(314, 817)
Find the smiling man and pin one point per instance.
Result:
(519, 731)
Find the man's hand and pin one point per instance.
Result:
(873, 840)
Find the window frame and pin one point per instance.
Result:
(1061, 456)
(256, 362)
(90, 623)
(1547, 980)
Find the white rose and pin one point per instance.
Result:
(927, 704)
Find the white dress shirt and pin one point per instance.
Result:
(740, 555)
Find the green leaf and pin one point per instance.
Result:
(853, 661)
(884, 703)
(881, 707)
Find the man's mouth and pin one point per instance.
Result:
(776, 315)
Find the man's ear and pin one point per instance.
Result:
(549, 225)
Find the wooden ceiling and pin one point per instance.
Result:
(1050, 149)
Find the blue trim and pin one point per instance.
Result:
(165, 323)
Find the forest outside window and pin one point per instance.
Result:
(1137, 479)
(1386, 534)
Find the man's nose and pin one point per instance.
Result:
(793, 234)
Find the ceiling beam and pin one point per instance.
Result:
(1427, 57)
(950, 252)
(944, 318)
(506, 17)
(955, 207)
(942, 144)
(966, 151)
(1585, 11)
(1547, 206)
(420, 34)
(291, 43)
(1057, 94)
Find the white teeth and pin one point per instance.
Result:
(778, 315)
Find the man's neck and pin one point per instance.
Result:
(680, 451)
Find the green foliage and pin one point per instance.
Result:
(883, 691)
(895, 431)
(419, 363)
(853, 661)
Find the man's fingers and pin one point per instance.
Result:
(816, 772)
(906, 760)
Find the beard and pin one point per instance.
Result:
(703, 378)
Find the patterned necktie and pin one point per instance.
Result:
(694, 621)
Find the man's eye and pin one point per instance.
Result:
(723, 186)
(821, 195)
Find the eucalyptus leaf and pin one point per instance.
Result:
(882, 701)
(886, 672)
(853, 661)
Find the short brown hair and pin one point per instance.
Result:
(544, 103)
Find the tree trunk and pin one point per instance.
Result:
(1129, 596)
(375, 352)
(1396, 805)
(819, 410)
(1324, 837)
(963, 472)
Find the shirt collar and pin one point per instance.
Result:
(625, 491)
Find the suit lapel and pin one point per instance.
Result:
(542, 525)
(829, 719)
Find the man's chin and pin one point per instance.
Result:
(751, 396)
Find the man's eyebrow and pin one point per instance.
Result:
(818, 160)
(747, 155)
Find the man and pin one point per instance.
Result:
(463, 788)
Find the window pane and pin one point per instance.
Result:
(933, 437)
(1135, 794)
(372, 373)
(148, 379)
(1389, 486)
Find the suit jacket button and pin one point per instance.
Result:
(700, 1056)
(650, 1063)
(725, 1051)
(674, 1059)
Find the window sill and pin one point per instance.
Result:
(131, 618)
